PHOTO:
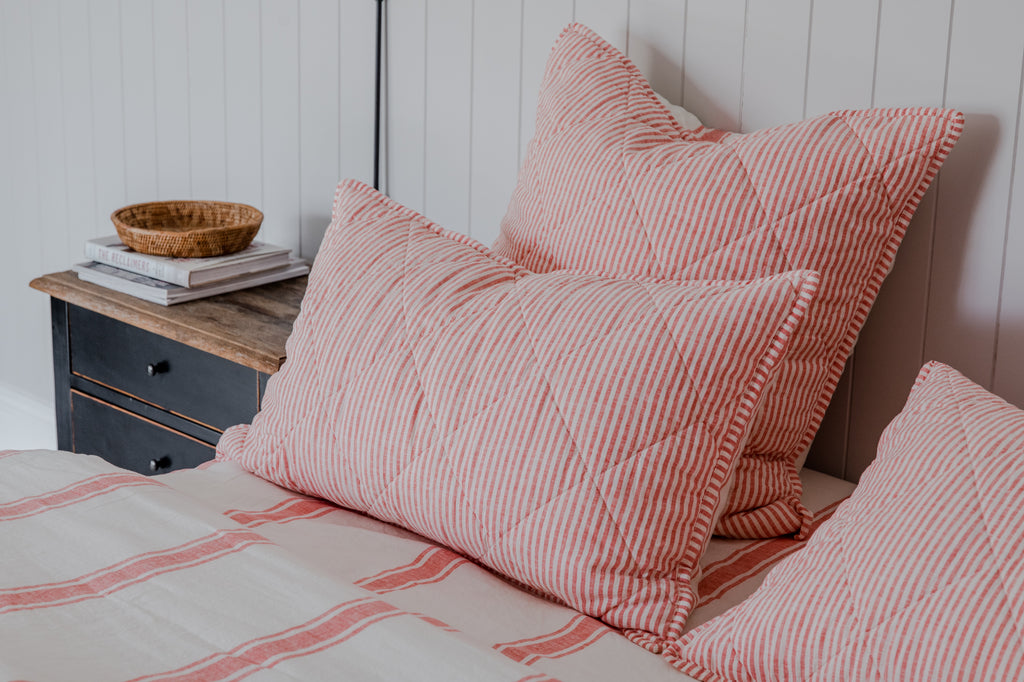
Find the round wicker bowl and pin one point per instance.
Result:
(187, 229)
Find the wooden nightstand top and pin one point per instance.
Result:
(249, 327)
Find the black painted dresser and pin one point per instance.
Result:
(151, 388)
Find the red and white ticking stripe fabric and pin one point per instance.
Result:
(918, 576)
(612, 183)
(144, 582)
(569, 430)
(732, 569)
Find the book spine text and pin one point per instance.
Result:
(127, 260)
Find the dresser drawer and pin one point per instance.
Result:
(130, 441)
(162, 372)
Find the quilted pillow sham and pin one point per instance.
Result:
(570, 431)
(918, 576)
(612, 182)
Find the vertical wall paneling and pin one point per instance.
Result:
(495, 146)
(207, 124)
(279, 42)
(243, 102)
(889, 352)
(10, 305)
(448, 112)
(23, 209)
(406, 97)
(108, 102)
(106, 77)
(319, 109)
(912, 74)
(656, 36)
(775, 63)
(170, 69)
(76, 82)
(543, 21)
(138, 96)
(840, 72)
(971, 216)
(6, 127)
(1008, 377)
(356, 40)
(51, 181)
(713, 79)
(610, 18)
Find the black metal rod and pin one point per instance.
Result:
(376, 97)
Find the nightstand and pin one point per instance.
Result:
(152, 388)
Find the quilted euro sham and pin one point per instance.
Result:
(918, 576)
(571, 431)
(612, 183)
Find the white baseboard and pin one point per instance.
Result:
(25, 422)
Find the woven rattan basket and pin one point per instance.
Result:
(187, 229)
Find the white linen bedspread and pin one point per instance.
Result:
(108, 575)
(213, 573)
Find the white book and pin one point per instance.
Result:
(165, 293)
(187, 272)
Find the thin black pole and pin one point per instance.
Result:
(376, 98)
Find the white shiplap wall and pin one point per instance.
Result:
(108, 102)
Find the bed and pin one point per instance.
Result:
(214, 573)
(577, 454)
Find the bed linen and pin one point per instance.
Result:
(611, 183)
(214, 573)
(108, 575)
(573, 432)
(917, 576)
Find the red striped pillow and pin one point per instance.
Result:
(918, 576)
(570, 431)
(612, 183)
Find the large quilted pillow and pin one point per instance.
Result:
(611, 182)
(918, 576)
(572, 432)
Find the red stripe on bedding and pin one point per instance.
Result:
(331, 628)
(436, 622)
(129, 572)
(8, 453)
(576, 635)
(291, 509)
(432, 566)
(79, 491)
(721, 576)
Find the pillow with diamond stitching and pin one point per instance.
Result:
(570, 431)
(611, 182)
(918, 576)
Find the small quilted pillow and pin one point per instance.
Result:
(918, 576)
(570, 431)
(611, 182)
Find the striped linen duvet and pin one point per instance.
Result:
(215, 574)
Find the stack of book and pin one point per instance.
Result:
(168, 281)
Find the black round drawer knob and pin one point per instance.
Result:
(158, 464)
(153, 369)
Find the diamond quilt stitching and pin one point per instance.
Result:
(560, 175)
(996, 565)
(969, 432)
(342, 345)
